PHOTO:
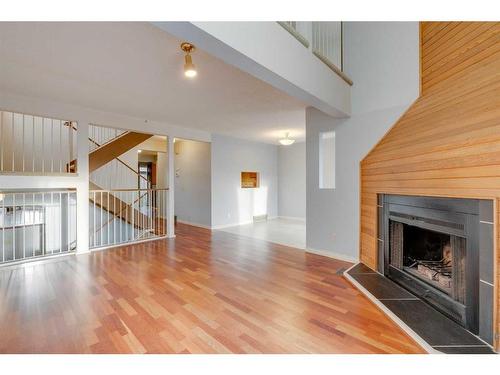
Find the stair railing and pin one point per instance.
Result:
(98, 136)
(122, 216)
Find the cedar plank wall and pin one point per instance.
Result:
(448, 142)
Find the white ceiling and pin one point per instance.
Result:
(136, 69)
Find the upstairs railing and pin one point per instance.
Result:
(327, 43)
(324, 39)
(36, 145)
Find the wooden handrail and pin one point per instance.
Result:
(119, 160)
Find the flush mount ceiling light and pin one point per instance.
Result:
(287, 141)
(189, 68)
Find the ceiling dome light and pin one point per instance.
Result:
(189, 68)
(287, 141)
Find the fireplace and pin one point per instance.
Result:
(432, 264)
(431, 247)
(436, 258)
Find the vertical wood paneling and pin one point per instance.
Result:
(448, 142)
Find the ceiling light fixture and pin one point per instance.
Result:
(287, 141)
(189, 68)
(139, 151)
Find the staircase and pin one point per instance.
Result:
(121, 215)
(112, 149)
(117, 207)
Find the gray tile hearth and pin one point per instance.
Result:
(437, 330)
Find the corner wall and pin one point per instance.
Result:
(193, 183)
(382, 60)
(292, 181)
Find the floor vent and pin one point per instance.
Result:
(259, 218)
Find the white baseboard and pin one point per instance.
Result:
(194, 224)
(128, 243)
(301, 219)
(223, 226)
(333, 255)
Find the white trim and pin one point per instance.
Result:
(391, 315)
(486, 282)
(301, 219)
(486, 222)
(128, 243)
(223, 226)
(331, 254)
(193, 224)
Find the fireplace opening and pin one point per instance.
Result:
(431, 264)
(428, 255)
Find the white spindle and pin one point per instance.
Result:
(12, 142)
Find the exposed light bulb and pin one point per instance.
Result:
(190, 73)
(287, 141)
(189, 68)
(139, 151)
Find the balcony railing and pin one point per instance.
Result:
(324, 39)
(35, 224)
(126, 215)
(36, 145)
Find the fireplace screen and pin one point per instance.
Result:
(436, 258)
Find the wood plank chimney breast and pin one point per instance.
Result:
(447, 144)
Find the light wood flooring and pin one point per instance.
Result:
(201, 292)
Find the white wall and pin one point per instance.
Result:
(292, 181)
(232, 205)
(382, 58)
(193, 183)
(162, 170)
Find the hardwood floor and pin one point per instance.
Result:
(199, 293)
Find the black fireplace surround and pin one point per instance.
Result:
(431, 247)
